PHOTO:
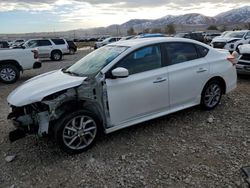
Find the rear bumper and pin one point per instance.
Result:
(37, 65)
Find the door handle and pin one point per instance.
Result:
(159, 80)
(200, 70)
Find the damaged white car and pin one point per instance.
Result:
(119, 85)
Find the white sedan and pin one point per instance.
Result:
(119, 85)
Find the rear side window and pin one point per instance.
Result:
(202, 51)
(179, 52)
(58, 41)
(44, 43)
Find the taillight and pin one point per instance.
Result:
(35, 53)
(233, 58)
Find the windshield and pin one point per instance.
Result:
(238, 34)
(95, 61)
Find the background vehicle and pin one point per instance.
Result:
(49, 48)
(4, 44)
(14, 61)
(106, 41)
(231, 40)
(210, 36)
(243, 65)
(17, 43)
(153, 76)
(149, 35)
(72, 47)
(198, 36)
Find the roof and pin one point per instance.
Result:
(136, 43)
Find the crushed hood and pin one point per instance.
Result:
(35, 89)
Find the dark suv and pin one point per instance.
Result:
(4, 44)
(72, 46)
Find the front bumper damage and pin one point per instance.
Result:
(35, 118)
(30, 119)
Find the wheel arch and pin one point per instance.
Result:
(217, 78)
(12, 62)
(56, 50)
(74, 105)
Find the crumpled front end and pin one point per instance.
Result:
(35, 118)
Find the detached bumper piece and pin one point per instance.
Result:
(37, 65)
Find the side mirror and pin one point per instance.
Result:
(120, 72)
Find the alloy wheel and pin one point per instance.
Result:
(79, 132)
(7, 74)
(212, 95)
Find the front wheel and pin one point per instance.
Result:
(77, 132)
(211, 95)
(9, 73)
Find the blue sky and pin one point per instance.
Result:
(21, 16)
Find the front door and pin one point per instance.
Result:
(143, 92)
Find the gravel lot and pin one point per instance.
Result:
(191, 148)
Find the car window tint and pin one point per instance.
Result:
(58, 41)
(180, 52)
(145, 59)
(202, 51)
(44, 43)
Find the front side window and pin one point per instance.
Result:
(145, 59)
(179, 52)
(92, 63)
(44, 43)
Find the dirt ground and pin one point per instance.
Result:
(190, 148)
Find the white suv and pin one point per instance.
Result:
(49, 48)
(120, 85)
(106, 41)
(232, 40)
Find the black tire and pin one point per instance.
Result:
(72, 51)
(64, 134)
(215, 96)
(9, 73)
(56, 55)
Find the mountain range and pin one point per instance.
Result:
(235, 16)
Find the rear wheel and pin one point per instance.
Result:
(77, 132)
(211, 95)
(9, 73)
(56, 55)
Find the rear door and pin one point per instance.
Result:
(188, 72)
(144, 92)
